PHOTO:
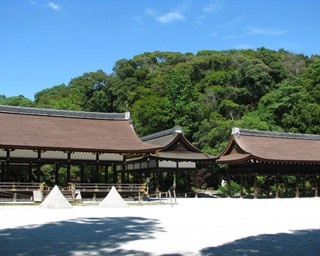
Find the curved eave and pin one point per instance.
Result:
(257, 159)
(240, 158)
(234, 158)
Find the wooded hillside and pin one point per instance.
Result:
(206, 93)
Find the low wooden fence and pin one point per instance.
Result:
(106, 187)
(103, 188)
(25, 190)
(20, 186)
(22, 191)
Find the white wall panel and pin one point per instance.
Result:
(167, 164)
(3, 153)
(111, 157)
(83, 156)
(54, 155)
(20, 153)
(187, 165)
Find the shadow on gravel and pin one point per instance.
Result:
(297, 243)
(84, 236)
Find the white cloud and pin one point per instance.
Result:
(233, 36)
(166, 18)
(170, 17)
(254, 31)
(213, 7)
(265, 31)
(54, 6)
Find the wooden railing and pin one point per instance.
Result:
(17, 189)
(106, 187)
(85, 187)
(21, 186)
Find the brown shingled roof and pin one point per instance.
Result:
(28, 128)
(270, 146)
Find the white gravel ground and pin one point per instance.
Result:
(193, 226)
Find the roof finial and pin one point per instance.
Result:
(127, 113)
(178, 129)
(235, 131)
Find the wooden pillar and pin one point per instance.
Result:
(123, 171)
(97, 172)
(6, 171)
(297, 185)
(228, 185)
(241, 186)
(286, 186)
(248, 181)
(316, 186)
(2, 171)
(158, 180)
(30, 172)
(68, 168)
(255, 185)
(38, 172)
(68, 172)
(82, 180)
(56, 174)
(39, 167)
(7, 167)
(106, 174)
(303, 185)
(277, 186)
(115, 174)
(127, 176)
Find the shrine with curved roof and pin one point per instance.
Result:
(250, 153)
(34, 137)
(272, 151)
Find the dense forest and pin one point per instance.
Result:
(206, 93)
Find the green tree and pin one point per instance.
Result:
(183, 97)
(151, 114)
(16, 101)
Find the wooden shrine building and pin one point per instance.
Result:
(176, 156)
(31, 138)
(274, 155)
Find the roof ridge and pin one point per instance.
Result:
(176, 129)
(258, 133)
(63, 113)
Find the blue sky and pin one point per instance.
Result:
(47, 43)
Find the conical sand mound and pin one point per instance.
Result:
(113, 200)
(55, 200)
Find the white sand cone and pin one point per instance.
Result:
(55, 200)
(113, 200)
